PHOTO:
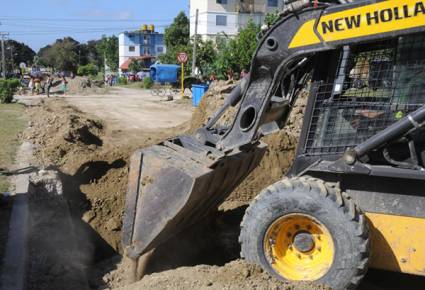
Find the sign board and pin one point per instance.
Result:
(182, 57)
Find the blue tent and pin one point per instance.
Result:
(165, 73)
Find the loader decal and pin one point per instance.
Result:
(382, 17)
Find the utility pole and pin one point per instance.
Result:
(3, 58)
(195, 44)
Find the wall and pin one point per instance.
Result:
(137, 40)
(209, 9)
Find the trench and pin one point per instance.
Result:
(65, 252)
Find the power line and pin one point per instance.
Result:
(5, 18)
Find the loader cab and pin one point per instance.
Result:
(357, 92)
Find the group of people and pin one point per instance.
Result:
(111, 80)
(230, 75)
(43, 84)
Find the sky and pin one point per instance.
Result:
(38, 23)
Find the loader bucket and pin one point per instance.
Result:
(176, 183)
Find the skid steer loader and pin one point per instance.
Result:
(355, 195)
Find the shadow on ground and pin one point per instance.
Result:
(62, 246)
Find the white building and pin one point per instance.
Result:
(228, 16)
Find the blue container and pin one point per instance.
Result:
(165, 73)
(198, 91)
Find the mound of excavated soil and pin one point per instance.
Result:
(92, 161)
(83, 85)
(234, 275)
(92, 167)
(281, 146)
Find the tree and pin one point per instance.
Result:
(206, 56)
(16, 53)
(178, 33)
(136, 65)
(246, 44)
(62, 55)
(87, 70)
(236, 53)
(108, 48)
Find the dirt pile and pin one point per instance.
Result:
(92, 166)
(234, 275)
(92, 161)
(281, 146)
(83, 85)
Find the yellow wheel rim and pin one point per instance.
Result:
(299, 247)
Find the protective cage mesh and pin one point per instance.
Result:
(375, 85)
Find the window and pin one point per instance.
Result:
(132, 48)
(160, 49)
(146, 39)
(221, 1)
(272, 3)
(378, 84)
(146, 51)
(221, 20)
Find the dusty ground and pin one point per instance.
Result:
(131, 109)
(91, 148)
(232, 276)
(91, 152)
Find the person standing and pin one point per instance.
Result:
(48, 84)
(37, 84)
(31, 85)
(64, 85)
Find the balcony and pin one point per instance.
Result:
(251, 6)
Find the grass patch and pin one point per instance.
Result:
(12, 122)
(133, 85)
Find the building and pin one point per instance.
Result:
(228, 16)
(144, 44)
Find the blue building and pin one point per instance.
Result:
(145, 44)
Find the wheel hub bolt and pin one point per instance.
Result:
(303, 242)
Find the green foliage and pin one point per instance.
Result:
(122, 81)
(7, 88)
(17, 52)
(177, 34)
(147, 82)
(136, 66)
(207, 54)
(271, 18)
(13, 120)
(68, 55)
(177, 40)
(89, 53)
(62, 55)
(236, 53)
(87, 70)
(108, 48)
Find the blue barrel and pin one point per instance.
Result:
(198, 91)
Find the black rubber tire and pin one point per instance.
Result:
(326, 203)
